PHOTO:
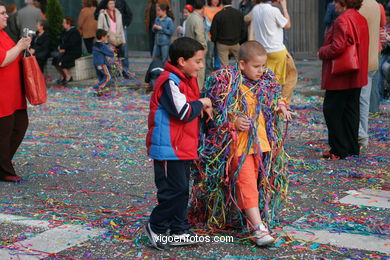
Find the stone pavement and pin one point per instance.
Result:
(88, 184)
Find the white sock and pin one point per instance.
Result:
(260, 227)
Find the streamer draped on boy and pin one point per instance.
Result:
(214, 202)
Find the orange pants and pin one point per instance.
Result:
(247, 192)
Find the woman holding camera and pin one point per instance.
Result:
(13, 107)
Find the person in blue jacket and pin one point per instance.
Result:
(330, 15)
(100, 51)
(163, 28)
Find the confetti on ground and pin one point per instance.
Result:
(84, 162)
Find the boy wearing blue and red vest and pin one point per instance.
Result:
(172, 141)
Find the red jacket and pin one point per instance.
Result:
(173, 118)
(335, 44)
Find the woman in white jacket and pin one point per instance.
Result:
(110, 20)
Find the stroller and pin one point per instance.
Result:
(153, 72)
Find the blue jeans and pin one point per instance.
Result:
(161, 51)
(364, 108)
(210, 57)
(104, 76)
(378, 86)
(125, 52)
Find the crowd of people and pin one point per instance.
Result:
(243, 102)
(112, 16)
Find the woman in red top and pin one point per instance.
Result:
(341, 103)
(13, 113)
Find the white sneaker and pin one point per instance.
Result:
(263, 238)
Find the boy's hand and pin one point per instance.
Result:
(206, 102)
(242, 124)
(286, 113)
(207, 107)
(208, 111)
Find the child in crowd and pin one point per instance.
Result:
(154, 71)
(163, 28)
(172, 140)
(100, 51)
(187, 10)
(242, 151)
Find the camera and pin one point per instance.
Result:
(28, 33)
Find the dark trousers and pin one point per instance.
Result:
(341, 112)
(42, 64)
(151, 41)
(172, 181)
(12, 130)
(88, 44)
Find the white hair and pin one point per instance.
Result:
(28, 1)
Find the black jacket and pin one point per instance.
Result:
(246, 8)
(12, 28)
(228, 27)
(71, 43)
(41, 45)
(127, 15)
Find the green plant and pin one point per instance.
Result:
(55, 16)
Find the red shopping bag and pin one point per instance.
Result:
(34, 82)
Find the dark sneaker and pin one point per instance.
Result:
(155, 239)
(60, 81)
(184, 238)
(330, 156)
(66, 81)
(11, 178)
(326, 154)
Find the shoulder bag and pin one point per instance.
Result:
(34, 82)
(113, 38)
(348, 61)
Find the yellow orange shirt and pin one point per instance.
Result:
(243, 137)
(209, 14)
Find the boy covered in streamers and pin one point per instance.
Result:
(172, 140)
(100, 51)
(241, 152)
